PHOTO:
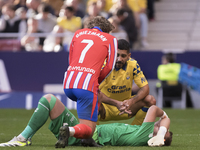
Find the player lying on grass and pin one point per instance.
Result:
(62, 122)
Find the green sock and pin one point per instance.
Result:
(38, 118)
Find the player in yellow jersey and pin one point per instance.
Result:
(118, 86)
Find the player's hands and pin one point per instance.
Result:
(157, 140)
(120, 106)
(127, 105)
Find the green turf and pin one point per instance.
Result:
(184, 124)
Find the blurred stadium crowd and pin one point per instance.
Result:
(48, 25)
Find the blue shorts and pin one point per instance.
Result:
(87, 103)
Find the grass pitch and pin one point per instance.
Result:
(185, 125)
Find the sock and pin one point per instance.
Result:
(71, 131)
(82, 131)
(139, 117)
(38, 119)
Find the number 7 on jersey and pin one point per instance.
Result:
(84, 51)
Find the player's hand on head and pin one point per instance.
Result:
(156, 141)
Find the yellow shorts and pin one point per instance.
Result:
(112, 113)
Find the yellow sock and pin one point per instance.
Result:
(139, 117)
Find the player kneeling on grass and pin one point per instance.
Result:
(149, 133)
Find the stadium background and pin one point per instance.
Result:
(175, 29)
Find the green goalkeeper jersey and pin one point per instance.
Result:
(119, 134)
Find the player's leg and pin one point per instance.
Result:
(44, 109)
(108, 112)
(148, 101)
(87, 109)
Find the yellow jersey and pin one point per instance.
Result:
(72, 25)
(118, 84)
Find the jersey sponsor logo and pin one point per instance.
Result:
(118, 89)
(102, 37)
(78, 68)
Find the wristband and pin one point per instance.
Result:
(164, 115)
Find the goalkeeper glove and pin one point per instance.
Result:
(157, 140)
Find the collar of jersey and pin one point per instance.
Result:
(124, 67)
(97, 28)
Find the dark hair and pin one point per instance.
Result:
(170, 57)
(100, 22)
(168, 140)
(70, 8)
(44, 7)
(123, 45)
(120, 12)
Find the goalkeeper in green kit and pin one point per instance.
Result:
(116, 134)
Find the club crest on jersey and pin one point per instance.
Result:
(113, 78)
(127, 76)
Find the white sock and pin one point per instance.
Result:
(71, 131)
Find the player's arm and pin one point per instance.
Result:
(71, 50)
(102, 98)
(110, 62)
(162, 126)
(141, 94)
(142, 83)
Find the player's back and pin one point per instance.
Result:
(88, 50)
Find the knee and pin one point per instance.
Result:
(150, 100)
(48, 97)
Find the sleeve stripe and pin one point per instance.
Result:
(115, 47)
(109, 53)
(115, 54)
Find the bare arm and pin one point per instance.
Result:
(142, 93)
(102, 98)
(154, 112)
(160, 128)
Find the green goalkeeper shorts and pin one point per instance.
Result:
(66, 118)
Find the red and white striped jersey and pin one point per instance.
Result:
(88, 51)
